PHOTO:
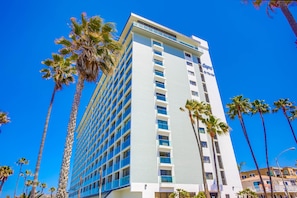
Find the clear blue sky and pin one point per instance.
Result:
(252, 54)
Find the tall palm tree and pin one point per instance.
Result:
(22, 161)
(283, 5)
(293, 115)
(240, 165)
(215, 127)
(93, 47)
(27, 174)
(28, 184)
(237, 108)
(259, 106)
(4, 119)
(61, 71)
(52, 190)
(285, 105)
(195, 111)
(5, 172)
(43, 186)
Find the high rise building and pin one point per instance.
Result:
(133, 136)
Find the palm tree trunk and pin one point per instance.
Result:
(251, 150)
(290, 124)
(216, 166)
(198, 140)
(17, 182)
(37, 167)
(25, 179)
(1, 184)
(63, 179)
(289, 16)
(266, 153)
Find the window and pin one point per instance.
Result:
(157, 43)
(191, 73)
(160, 84)
(220, 162)
(206, 97)
(164, 154)
(163, 140)
(158, 52)
(194, 93)
(201, 130)
(203, 144)
(189, 64)
(162, 110)
(188, 55)
(165, 172)
(252, 175)
(162, 124)
(158, 62)
(199, 61)
(126, 172)
(126, 154)
(227, 196)
(217, 147)
(243, 176)
(193, 82)
(160, 96)
(209, 175)
(200, 69)
(204, 87)
(202, 78)
(206, 159)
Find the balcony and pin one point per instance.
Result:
(116, 166)
(166, 178)
(116, 183)
(125, 161)
(167, 36)
(126, 143)
(165, 160)
(125, 180)
(164, 143)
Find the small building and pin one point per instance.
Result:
(284, 180)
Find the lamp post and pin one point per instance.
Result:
(276, 160)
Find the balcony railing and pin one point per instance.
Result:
(125, 180)
(166, 160)
(166, 178)
(164, 143)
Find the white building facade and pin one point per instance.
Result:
(133, 131)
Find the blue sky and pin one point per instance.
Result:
(252, 54)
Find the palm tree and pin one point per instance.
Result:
(95, 51)
(196, 110)
(22, 161)
(215, 127)
(4, 119)
(237, 108)
(259, 106)
(240, 165)
(248, 193)
(61, 71)
(28, 184)
(52, 190)
(27, 174)
(285, 105)
(43, 186)
(283, 5)
(293, 115)
(5, 172)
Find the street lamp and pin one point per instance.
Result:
(276, 160)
